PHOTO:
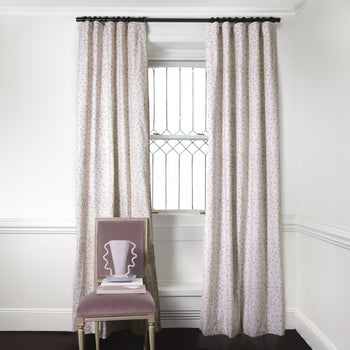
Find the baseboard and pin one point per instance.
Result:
(60, 320)
(43, 319)
(40, 319)
(35, 319)
(311, 334)
(290, 318)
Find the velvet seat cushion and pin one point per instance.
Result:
(109, 305)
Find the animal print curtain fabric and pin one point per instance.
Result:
(113, 175)
(242, 286)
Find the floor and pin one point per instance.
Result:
(167, 339)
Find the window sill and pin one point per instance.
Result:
(180, 289)
(178, 212)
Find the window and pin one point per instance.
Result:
(179, 137)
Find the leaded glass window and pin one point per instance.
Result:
(179, 137)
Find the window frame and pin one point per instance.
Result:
(204, 137)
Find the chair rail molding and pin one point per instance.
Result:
(43, 226)
(334, 234)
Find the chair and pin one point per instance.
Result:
(113, 307)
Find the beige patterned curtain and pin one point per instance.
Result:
(242, 287)
(112, 140)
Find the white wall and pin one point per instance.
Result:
(37, 181)
(37, 87)
(37, 202)
(322, 106)
(37, 177)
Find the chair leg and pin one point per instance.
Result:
(151, 334)
(145, 336)
(97, 335)
(81, 333)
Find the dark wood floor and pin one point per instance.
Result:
(167, 339)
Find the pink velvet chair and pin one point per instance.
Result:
(113, 307)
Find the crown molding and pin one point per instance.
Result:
(301, 5)
(160, 11)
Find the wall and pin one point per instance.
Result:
(37, 89)
(323, 83)
(37, 202)
(323, 203)
(37, 181)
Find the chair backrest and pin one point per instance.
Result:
(109, 229)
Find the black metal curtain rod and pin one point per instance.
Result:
(194, 20)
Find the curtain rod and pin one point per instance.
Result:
(194, 20)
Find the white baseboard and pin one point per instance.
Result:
(290, 318)
(311, 334)
(35, 319)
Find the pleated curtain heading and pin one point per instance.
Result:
(242, 283)
(113, 171)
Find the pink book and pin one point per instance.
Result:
(121, 289)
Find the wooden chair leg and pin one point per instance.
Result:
(97, 335)
(145, 336)
(81, 333)
(151, 334)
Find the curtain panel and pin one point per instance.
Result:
(242, 284)
(113, 171)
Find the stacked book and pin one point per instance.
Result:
(135, 286)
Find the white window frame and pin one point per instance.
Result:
(177, 63)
